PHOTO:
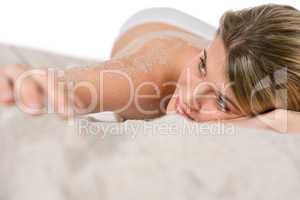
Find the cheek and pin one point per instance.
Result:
(208, 111)
(182, 78)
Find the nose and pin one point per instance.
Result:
(196, 94)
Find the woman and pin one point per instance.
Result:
(252, 67)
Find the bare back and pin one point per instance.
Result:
(152, 44)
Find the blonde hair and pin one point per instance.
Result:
(263, 56)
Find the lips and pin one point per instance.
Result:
(179, 108)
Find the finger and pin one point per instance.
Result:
(8, 75)
(30, 97)
(13, 71)
(61, 99)
(6, 90)
(26, 90)
(67, 102)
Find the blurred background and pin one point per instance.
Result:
(88, 28)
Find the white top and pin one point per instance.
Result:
(173, 17)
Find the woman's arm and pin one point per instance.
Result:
(119, 86)
(114, 85)
(280, 120)
(285, 121)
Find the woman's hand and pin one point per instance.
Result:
(29, 92)
(280, 120)
(28, 89)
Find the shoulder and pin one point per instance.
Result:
(140, 31)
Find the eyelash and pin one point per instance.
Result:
(202, 64)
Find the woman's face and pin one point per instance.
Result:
(203, 91)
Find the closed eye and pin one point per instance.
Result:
(222, 104)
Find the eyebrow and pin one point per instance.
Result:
(227, 99)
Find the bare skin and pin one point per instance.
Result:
(171, 79)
